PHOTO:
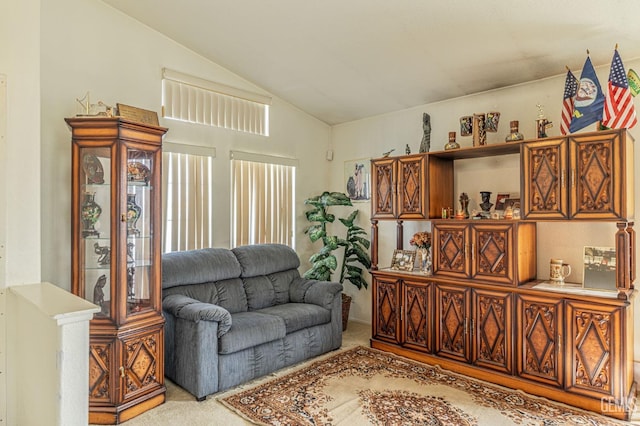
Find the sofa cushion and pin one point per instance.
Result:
(297, 316)
(265, 259)
(198, 266)
(231, 295)
(250, 329)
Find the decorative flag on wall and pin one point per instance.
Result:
(634, 82)
(589, 99)
(570, 90)
(619, 112)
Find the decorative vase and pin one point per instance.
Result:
(515, 135)
(133, 214)
(425, 260)
(91, 211)
(452, 144)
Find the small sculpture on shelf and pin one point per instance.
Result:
(479, 132)
(388, 153)
(486, 204)
(98, 293)
(133, 214)
(407, 150)
(93, 169)
(464, 205)
(542, 123)
(104, 254)
(452, 144)
(425, 144)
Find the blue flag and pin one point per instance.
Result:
(589, 99)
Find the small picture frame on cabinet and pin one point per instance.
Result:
(403, 260)
(599, 268)
(500, 200)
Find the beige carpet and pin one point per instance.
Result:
(182, 409)
(364, 386)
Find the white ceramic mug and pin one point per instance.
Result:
(558, 270)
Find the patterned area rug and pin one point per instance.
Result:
(364, 386)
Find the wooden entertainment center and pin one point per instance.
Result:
(483, 312)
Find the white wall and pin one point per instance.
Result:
(372, 136)
(19, 175)
(118, 60)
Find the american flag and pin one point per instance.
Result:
(570, 90)
(619, 111)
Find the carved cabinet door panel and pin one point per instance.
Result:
(142, 363)
(386, 315)
(102, 383)
(544, 183)
(596, 176)
(539, 335)
(492, 330)
(412, 200)
(450, 246)
(492, 253)
(418, 315)
(383, 183)
(594, 340)
(453, 317)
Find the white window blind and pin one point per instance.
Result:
(263, 199)
(196, 100)
(187, 186)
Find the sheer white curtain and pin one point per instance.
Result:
(187, 201)
(263, 200)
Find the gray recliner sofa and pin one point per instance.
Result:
(235, 315)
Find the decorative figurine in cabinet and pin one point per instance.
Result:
(116, 248)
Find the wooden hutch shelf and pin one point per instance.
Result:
(483, 312)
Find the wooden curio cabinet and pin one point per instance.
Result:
(116, 238)
(578, 177)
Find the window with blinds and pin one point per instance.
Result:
(196, 100)
(263, 199)
(187, 199)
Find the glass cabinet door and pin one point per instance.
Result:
(95, 245)
(140, 244)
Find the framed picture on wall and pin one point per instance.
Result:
(357, 177)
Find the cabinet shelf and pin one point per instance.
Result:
(479, 151)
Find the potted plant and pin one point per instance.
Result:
(355, 245)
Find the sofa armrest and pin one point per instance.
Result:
(321, 293)
(186, 308)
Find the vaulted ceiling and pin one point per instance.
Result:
(343, 60)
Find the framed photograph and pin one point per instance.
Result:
(599, 268)
(357, 177)
(514, 203)
(500, 199)
(403, 260)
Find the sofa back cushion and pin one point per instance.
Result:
(198, 266)
(269, 290)
(265, 259)
(229, 294)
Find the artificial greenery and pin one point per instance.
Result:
(356, 245)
